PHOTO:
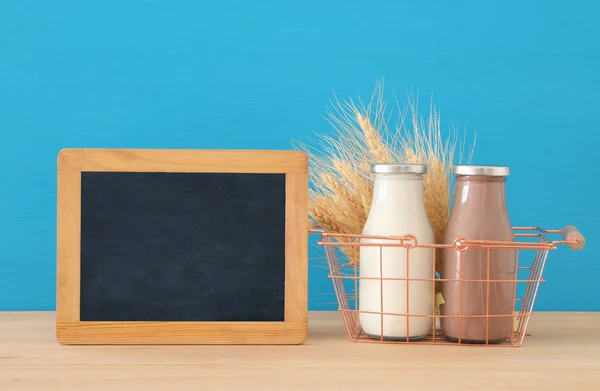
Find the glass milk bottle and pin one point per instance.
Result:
(398, 209)
(479, 213)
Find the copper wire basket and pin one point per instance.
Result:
(531, 247)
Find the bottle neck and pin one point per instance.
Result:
(394, 188)
(483, 193)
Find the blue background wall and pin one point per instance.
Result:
(238, 74)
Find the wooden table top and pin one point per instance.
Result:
(562, 353)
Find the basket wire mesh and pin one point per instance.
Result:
(531, 248)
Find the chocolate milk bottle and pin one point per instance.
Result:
(479, 213)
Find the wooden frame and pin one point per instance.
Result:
(69, 328)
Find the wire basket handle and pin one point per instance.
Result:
(573, 237)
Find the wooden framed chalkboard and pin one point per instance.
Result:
(182, 247)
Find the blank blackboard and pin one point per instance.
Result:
(164, 247)
(182, 247)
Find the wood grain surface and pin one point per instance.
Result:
(183, 160)
(562, 354)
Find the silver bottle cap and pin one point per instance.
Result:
(395, 168)
(482, 170)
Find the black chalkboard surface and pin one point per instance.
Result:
(182, 247)
(164, 247)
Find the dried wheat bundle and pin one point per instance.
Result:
(342, 186)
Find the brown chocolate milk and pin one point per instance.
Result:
(479, 213)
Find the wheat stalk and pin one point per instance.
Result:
(342, 187)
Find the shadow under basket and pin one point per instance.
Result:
(531, 248)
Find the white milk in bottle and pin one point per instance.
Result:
(398, 209)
